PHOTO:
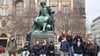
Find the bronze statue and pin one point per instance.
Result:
(45, 20)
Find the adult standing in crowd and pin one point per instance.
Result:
(78, 48)
(69, 38)
(78, 36)
(63, 34)
(91, 51)
(12, 46)
(51, 49)
(64, 47)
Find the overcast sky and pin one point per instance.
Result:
(92, 11)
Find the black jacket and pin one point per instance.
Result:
(44, 49)
(69, 39)
(78, 50)
(76, 38)
(51, 48)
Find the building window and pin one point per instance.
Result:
(18, 38)
(65, 9)
(3, 24)
(54, 8)
(18, 12)
(3, 35)
(3, 12)
(4, 2)
(19, 4)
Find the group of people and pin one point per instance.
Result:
(39, 49)
(76, 46)
(69, 46)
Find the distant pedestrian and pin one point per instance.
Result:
(28, 36)
(64, 47)
(12, 46)
(51, 49)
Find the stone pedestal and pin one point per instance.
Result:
(48, 36)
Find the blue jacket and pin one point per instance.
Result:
(64, 46)
(28, 36)
(36, 50)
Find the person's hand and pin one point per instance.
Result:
(51, 51)
(62, 41)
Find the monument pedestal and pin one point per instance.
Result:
(48, 36)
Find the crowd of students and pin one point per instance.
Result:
(39, 49)
(77, 46)
(69, 46)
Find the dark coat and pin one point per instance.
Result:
(76, 38)
(91, 51)
(51, 48)
(69, 39)
(78, 50)
(64, 46)
(60, 38)
(28, 36)
(44, 49)
(26, 48)
(36, 50)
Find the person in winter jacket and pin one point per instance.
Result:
(44, 49)
(26, 49)
(64, 47)
(51, 49)
(36, 49)
(78, 48)
(69, 38)
(78, 36)
(62, 36)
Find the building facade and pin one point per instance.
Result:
(16, 16)
(95, 28)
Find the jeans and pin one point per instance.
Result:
(71, 51)
(78, 54)
(63, 53)
(25, 53)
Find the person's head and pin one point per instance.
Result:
(92, 43)
(51, 42)
(64, 33)
(78, 40)
(78, 34)
(69, 32)
(44, 42)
